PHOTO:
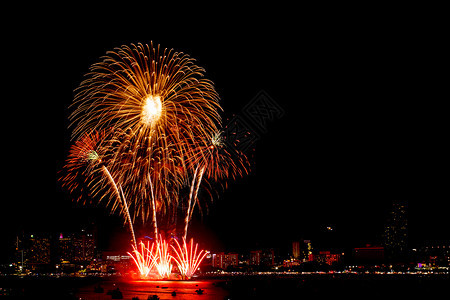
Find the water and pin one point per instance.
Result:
(311, 286)
(185, 290)
(275, 287)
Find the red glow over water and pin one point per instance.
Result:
(162, 288)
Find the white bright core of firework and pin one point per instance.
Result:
(151, 111)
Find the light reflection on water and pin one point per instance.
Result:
(163, 289)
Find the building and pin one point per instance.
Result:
(262, 258)
(65, 249)
(33, 252)
(48, 252)
(77, 248)
(396, 231)
(434, 254)
(368, 255)
(255, 258)
(289, 263)
(38, 254)
(84, 247)
(326, 257)
(306, 250)
(223, 261)
(114, 261)
(296, 250)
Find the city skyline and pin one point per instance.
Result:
(76, 252)
(393, 237)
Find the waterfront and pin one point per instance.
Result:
(351, 286)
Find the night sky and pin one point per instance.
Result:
(362, 125)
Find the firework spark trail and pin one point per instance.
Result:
(188, 213)
(145, 260)
(195, 185)
(152, 195)
(84, 155)
(215, 162)
(130, 223)
(186, 257)
(123, 201)
(163, 259)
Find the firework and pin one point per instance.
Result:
(217, 159)
(163, 258)
(214, 161)
(82, 162)
(144, 259)
(187, 258)
(145, 124)
(85, 161)
(160, 98)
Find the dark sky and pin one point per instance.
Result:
(363, 122)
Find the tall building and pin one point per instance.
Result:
(296, 249)
(222, 260)
(255, 257)
(306, 251)
(33, 252)
(262, 258)
(65, 249)
(84, 247)
(39, 251)
(396, 231)
(43, 252)
(77, 248)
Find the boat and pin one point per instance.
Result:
(116, 294)
(98, 289)
(199, 291)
